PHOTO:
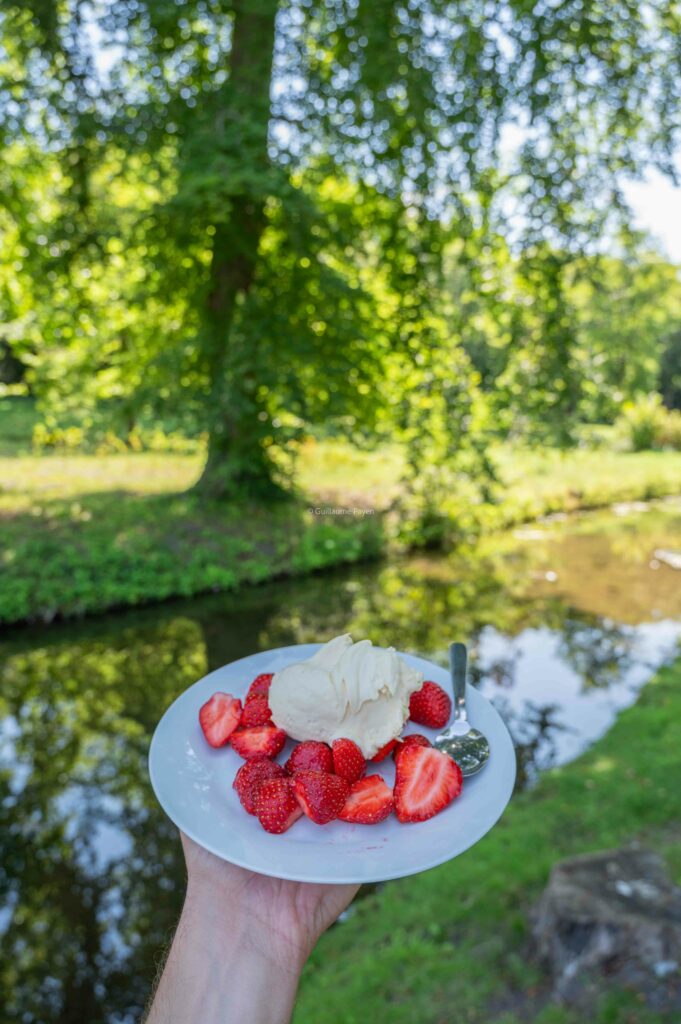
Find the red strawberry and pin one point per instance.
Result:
(263, 739)
(260, 685)
(384, 751)
(311, 755)
(219, 717)
(370, 801)
(251, 776)
(276, 806)
(348, 760)
(413, 739)
(426, 781)
(321, 796)
(430, 706)
(256, 711)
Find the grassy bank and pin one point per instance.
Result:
(452, 944)
(84, 532)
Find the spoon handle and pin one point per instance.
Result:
(458, 658)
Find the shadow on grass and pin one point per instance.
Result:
(104, 550)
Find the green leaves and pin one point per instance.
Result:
(261, 219)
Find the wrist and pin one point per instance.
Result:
(223, 922)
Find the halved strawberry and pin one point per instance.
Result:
(251, 776)
(413, 739)
(348, 760)
(263, 739)
(260, 685)
(256, 711)
(370, 801)
(219, 717)
(276, 806)
(321, 796)
(310, 755)
(384, 751)
(430, 706)
(426, 781)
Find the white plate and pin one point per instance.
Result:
(193, 783)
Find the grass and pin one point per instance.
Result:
(540, 482)
(453, 944)
(84, 532)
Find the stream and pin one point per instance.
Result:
(566, 620)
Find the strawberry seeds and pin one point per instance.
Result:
(326, 783)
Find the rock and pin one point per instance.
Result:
(670, 558)
(611, 918)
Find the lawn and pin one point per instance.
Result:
(453, 944)
(82, 532)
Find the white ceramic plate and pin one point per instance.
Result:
(193, 783)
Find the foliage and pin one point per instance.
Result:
(101, 553)
(647, 424)
(669, 383)
(238, 215)
(615, 315)
(83, 533)
(626, 310)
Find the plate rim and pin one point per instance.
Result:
(350, 879)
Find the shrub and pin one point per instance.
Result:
(646, 424)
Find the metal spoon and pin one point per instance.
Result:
(468, 747)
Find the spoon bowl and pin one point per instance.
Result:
(464, 744)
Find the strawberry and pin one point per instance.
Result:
(260, 685)
(413, 739)
(256, 711)
(219, 717)
(426, 781)
(276, 806)
(370, 801)
(321, 796)
(262, 739)
(250, 778)
(430, 706)
(348, 760)
(311, 755)
(384, 751)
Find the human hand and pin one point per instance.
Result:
(241, 943)
(284, 919)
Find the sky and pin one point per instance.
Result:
(656, 205)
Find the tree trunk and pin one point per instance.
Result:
(237, 464)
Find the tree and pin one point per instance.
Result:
(244, 106)
(670, 371)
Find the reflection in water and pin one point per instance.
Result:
(92, 874)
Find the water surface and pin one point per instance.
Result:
(566, 621)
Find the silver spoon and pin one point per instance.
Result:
(468, 747)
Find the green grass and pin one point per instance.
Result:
(84, 532)
(452, 944)
(540, 482)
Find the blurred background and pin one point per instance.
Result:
(324, 316)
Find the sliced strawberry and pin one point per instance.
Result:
(256, 711)
(263, 739)
(348, 760)
(384, 751)
(260, 685)
(430, 706)
(276, 806)
(251, 776)
(311, 755)
(370, 801)
(219, 717)
(426, 781)
(413, 739)
(321, 796)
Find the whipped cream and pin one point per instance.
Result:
(350, 690)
